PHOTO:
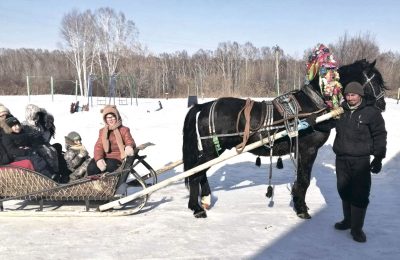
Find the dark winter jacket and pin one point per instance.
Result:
(360, 132)
(4, 158)
(14, 143)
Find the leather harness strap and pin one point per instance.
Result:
(246, 134)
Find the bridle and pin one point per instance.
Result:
(368, 81)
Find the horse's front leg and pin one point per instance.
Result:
(305, 163)
(205, 192)
(194, 193)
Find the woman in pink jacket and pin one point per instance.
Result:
(115, 142)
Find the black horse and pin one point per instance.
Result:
(220, 125)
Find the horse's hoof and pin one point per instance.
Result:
(206, 206)
(304, 215)
(206, 201)
(200, 214)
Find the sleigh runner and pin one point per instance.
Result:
(34, 188)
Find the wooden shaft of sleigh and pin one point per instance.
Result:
(224, 156)
(169, 167)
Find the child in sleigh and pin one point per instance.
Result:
(76, 156)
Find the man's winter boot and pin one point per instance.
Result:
(357, 223)
(346, 222)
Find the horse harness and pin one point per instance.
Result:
(289, 109)
(286, 105)
(368, 81)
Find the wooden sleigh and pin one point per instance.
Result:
(48, 197)
(22, 184)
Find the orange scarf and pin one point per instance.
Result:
(118, 137)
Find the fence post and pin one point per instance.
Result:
(52, 88)
(76, 90)
(27, 88)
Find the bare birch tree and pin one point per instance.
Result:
(78, 34)
(115, 33)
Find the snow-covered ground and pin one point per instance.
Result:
(242, 222)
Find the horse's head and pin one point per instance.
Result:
(369, 77)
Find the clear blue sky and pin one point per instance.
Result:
(171, 25)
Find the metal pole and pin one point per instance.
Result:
(76, 90)
(88, 96)
(294, 77)
(28, 90)
(132, 88)
(52, 88)
(277, 52)
(137, 95)
(115, 87)
(398, 95)
(294, 81)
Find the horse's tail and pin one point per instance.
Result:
(190, 151)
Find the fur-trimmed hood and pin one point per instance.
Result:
(37, 120)
(110, 109)
(31, 114)
(5, 127)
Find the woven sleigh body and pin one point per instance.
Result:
(18, 183)
(30, 185)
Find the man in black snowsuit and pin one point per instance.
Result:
(360, 132)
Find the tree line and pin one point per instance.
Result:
(103, 43)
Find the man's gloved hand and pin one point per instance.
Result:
(101, 164)
(376, 165)
(129, 150)
(311, 120)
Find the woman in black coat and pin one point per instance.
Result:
(18, 146)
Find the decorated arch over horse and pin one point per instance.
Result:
(321, 63)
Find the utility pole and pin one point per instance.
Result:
(277, 52)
